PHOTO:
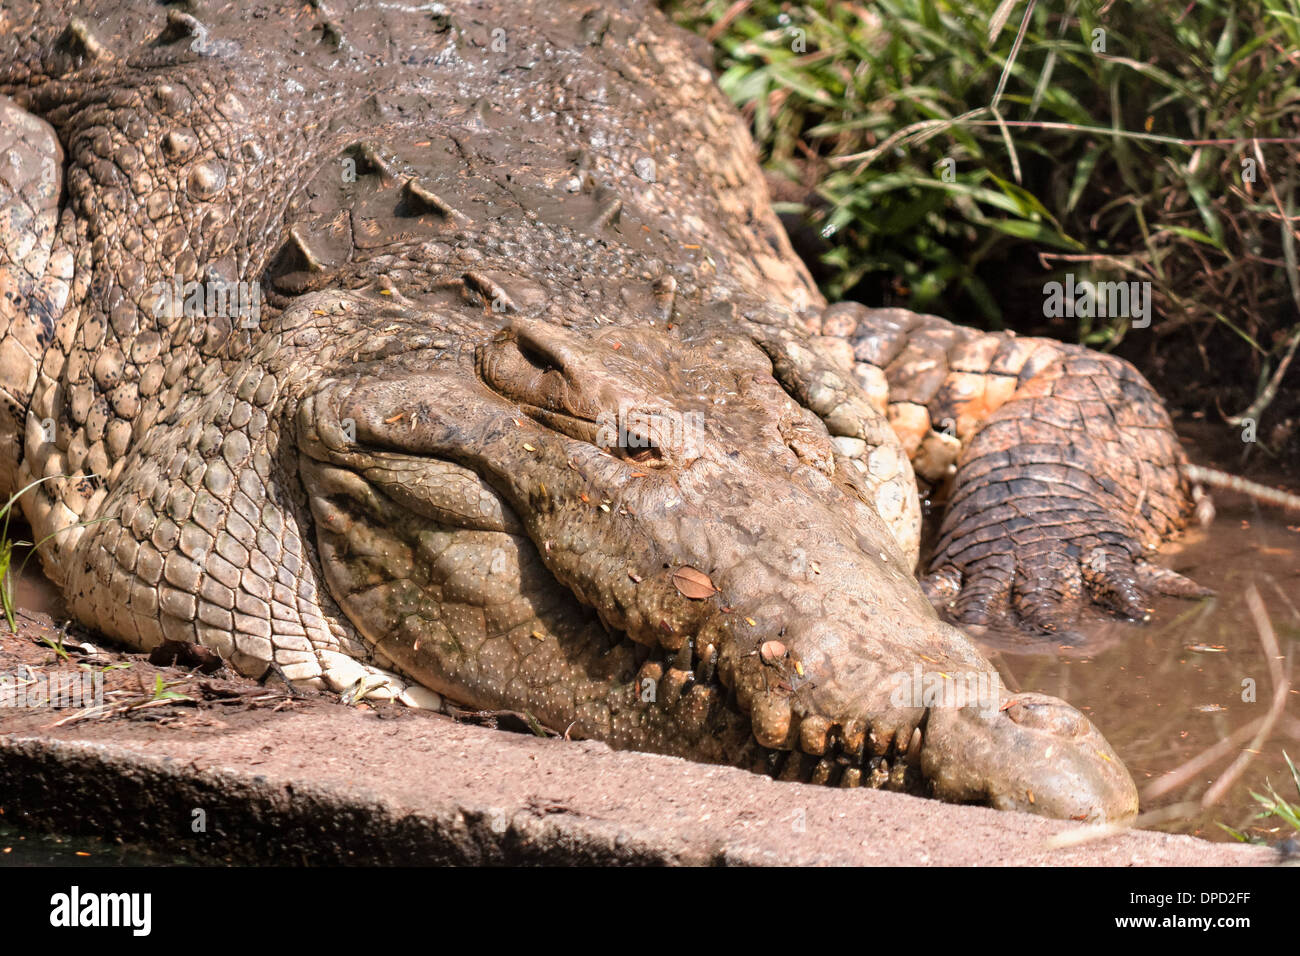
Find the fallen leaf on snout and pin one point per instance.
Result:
(693, 583)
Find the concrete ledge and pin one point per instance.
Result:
(326, 784)
(311, 781)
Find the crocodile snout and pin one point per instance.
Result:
(1036, 754)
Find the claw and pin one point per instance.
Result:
(942, 586)
(1117, 588)
(987, 591)
(1162, 580)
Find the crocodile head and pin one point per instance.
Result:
(725, 594)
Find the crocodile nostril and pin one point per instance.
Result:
(535, 357)
(1046, 714)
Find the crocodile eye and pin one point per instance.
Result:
(635, 447)
(650, 455)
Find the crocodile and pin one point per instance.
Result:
(453, 353)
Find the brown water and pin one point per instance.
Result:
(33, 592)
(1165, 692)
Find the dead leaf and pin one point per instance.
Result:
(184, 654)
(693, 583)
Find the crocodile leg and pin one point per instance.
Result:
(34, 272)
(1062, 463)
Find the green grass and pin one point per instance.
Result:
(9, 575)
(1119, 163)
(1274, 805)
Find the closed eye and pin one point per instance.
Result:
(643, 456)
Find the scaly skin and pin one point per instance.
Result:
(524, 418)
(1063, 466)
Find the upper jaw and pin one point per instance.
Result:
(872, 715)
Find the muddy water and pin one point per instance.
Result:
(23, 847)
(33, 592)
(1165, 692)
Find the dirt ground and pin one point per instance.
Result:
(237, 772)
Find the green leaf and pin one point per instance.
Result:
(1035, 231)
(1223, 49)
(1193, 234)
(1082, 173)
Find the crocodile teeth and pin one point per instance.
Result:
(798, 767)
(772, 717)
(879, 775)
(814, 735)
(674, 684)
(879, 743)
(648, 678)
(914, 748)
(852, 778)
(708, 662)
(822, 772)
(853, 736)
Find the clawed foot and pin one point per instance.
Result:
(1045, 587)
